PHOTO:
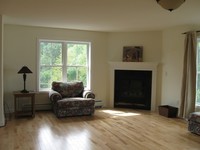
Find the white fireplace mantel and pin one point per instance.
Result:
(148, 66)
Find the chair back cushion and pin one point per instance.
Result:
(68, 89)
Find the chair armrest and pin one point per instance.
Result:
(54, 96)
(88, 94)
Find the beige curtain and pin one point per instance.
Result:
(188, 91)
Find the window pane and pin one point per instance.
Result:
(55, 58)
(82, 75)
(198, 75)
(198, 96)
(76, 54)
(49, 74)
(71, 74)
(50, 53)
(77, 74)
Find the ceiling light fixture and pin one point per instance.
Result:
(170, 4)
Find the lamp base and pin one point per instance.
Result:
(24, 91)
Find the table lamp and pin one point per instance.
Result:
(23, 71)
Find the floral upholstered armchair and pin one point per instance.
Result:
(70, 99)
(194, 123)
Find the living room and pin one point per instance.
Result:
(163, 45)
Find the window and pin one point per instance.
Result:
(63, 61)
(198, 74)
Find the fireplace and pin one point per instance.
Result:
(145, 98)
(132, 89)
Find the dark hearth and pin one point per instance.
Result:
(133, 89)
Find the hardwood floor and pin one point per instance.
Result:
(108, 129)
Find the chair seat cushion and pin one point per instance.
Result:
(75, 102)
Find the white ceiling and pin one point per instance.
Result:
(99, 15)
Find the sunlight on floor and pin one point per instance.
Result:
(120, 113)
(75, 139)
(80, 139)
(45, 137)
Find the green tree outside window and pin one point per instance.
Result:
(63, 61)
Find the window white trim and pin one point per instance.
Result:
(89, 65)
(64, 57)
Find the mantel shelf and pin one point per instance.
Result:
(135, 65)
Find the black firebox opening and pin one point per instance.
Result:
(132, 89)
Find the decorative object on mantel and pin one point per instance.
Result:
(170, 4)
(132, 53)
(23, 71)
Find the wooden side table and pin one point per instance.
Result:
(31, 96)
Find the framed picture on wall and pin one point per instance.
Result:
(132, 53)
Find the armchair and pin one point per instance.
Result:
(194, 123)
(70, 99)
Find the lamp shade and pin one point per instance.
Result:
(24, 69)
(170, 4)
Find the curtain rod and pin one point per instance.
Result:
(186, 32)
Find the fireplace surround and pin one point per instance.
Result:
(134, 66)
(132, 89)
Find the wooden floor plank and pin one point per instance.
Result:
(107, 129)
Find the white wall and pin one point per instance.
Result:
(2, 118)
(21, 49)
(172, 63)
(150, 40)
(164, 47)
(152, 45)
